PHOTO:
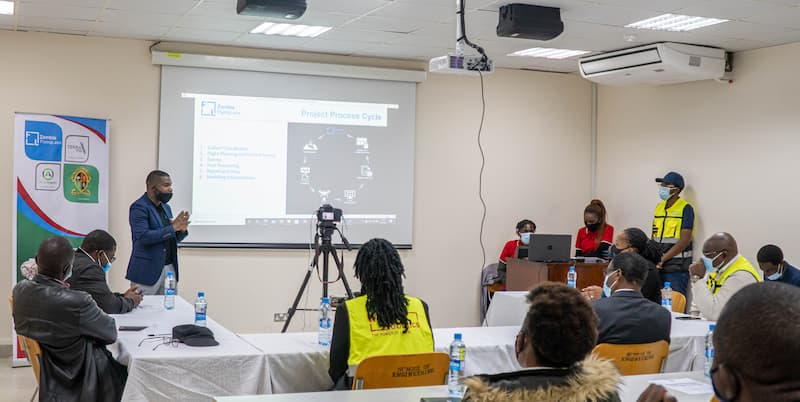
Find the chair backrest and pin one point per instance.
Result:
(396, 371)
(678, 302)
(644, 358)
(30, 346)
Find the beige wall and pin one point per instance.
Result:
(736, 146)
(536, 138)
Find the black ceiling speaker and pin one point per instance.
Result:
(287, 9)
(529, 22)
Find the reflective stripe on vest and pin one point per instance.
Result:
(667, 225)
(368, 339)
(741, 264)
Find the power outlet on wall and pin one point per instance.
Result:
(280, 317)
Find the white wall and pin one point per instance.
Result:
(736, 146)
(536, 139)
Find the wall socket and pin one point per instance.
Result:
(280, 317)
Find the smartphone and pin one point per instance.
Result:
(687, 317)
(132, 327)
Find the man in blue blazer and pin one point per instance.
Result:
(625, 316)
(155, 235)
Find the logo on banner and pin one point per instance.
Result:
(48, 176)
(84, 180)
(208, 108)
(43, 141)
(76, 148)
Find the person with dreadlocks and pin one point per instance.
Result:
(382, 321)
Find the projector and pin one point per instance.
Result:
(460, 64)
(287, 9)
(527, 21)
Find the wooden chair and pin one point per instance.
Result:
(397, 371)
(645, 358)
(32, 351)
(678, 302)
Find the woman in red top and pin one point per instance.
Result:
(525, 229)
(597, 236)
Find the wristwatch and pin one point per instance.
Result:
(695, 278)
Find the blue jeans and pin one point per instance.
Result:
(678, 281)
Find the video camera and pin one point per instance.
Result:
(327, 214)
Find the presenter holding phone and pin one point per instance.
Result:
(155, 235)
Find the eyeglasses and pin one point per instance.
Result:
(164, 339)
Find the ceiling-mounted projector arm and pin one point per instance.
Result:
(461, 32)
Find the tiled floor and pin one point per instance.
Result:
(17, 384)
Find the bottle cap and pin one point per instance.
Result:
(201, 294)
(571, 267)
(711, 327)
(458, 336)
(666, 284)
(326, 300)
(170, 274)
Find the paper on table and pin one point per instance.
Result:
(685, 385)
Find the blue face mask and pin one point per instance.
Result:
(108, 264)
(777, 275)
(606, 288)
(525, 238)
(664, 193)
(709, 263)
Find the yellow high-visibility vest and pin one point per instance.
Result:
(667, 224)
(741, 264)
(368, 339)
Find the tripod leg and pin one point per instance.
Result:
(293, 309)
(340, 267)
(325, 254)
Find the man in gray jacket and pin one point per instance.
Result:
(92, 260)
(71, 330)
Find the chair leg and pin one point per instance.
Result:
(35, 392)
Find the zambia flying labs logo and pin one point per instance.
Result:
(84, 180)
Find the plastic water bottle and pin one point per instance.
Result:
(709, 350)
(455, 378)
(200, 308)
(572, 277)
(169, 291)
(325, 329)
(666, 297)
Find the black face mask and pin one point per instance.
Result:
(592, 226)
(615, 251)
(163, 197)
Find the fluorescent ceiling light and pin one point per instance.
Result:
(284, 29)
(7, 7)
(675, 22)
(549, 53)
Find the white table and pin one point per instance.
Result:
(687, 338)
(410, 394)
(180, 372)
(489, 350)
(633, 386)
(630, 389)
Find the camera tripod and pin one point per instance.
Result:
(326, 249)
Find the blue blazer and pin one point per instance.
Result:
(149, 242)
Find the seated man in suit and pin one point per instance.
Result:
(71, 330)
(92, 260)
(382, 321)
(625, 316)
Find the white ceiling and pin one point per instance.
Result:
(414, 29)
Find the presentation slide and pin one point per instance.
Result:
(261, 166)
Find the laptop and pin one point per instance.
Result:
(550, 248)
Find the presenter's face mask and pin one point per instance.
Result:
(709, 262)
(664, 192)
(525, 238)
(163, 197)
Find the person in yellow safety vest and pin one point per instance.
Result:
(719, 274)
(673, 223)
(382, 321)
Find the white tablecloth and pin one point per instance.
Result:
(687, 339)
(184, 373)
(296, 363)
(630, 389)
